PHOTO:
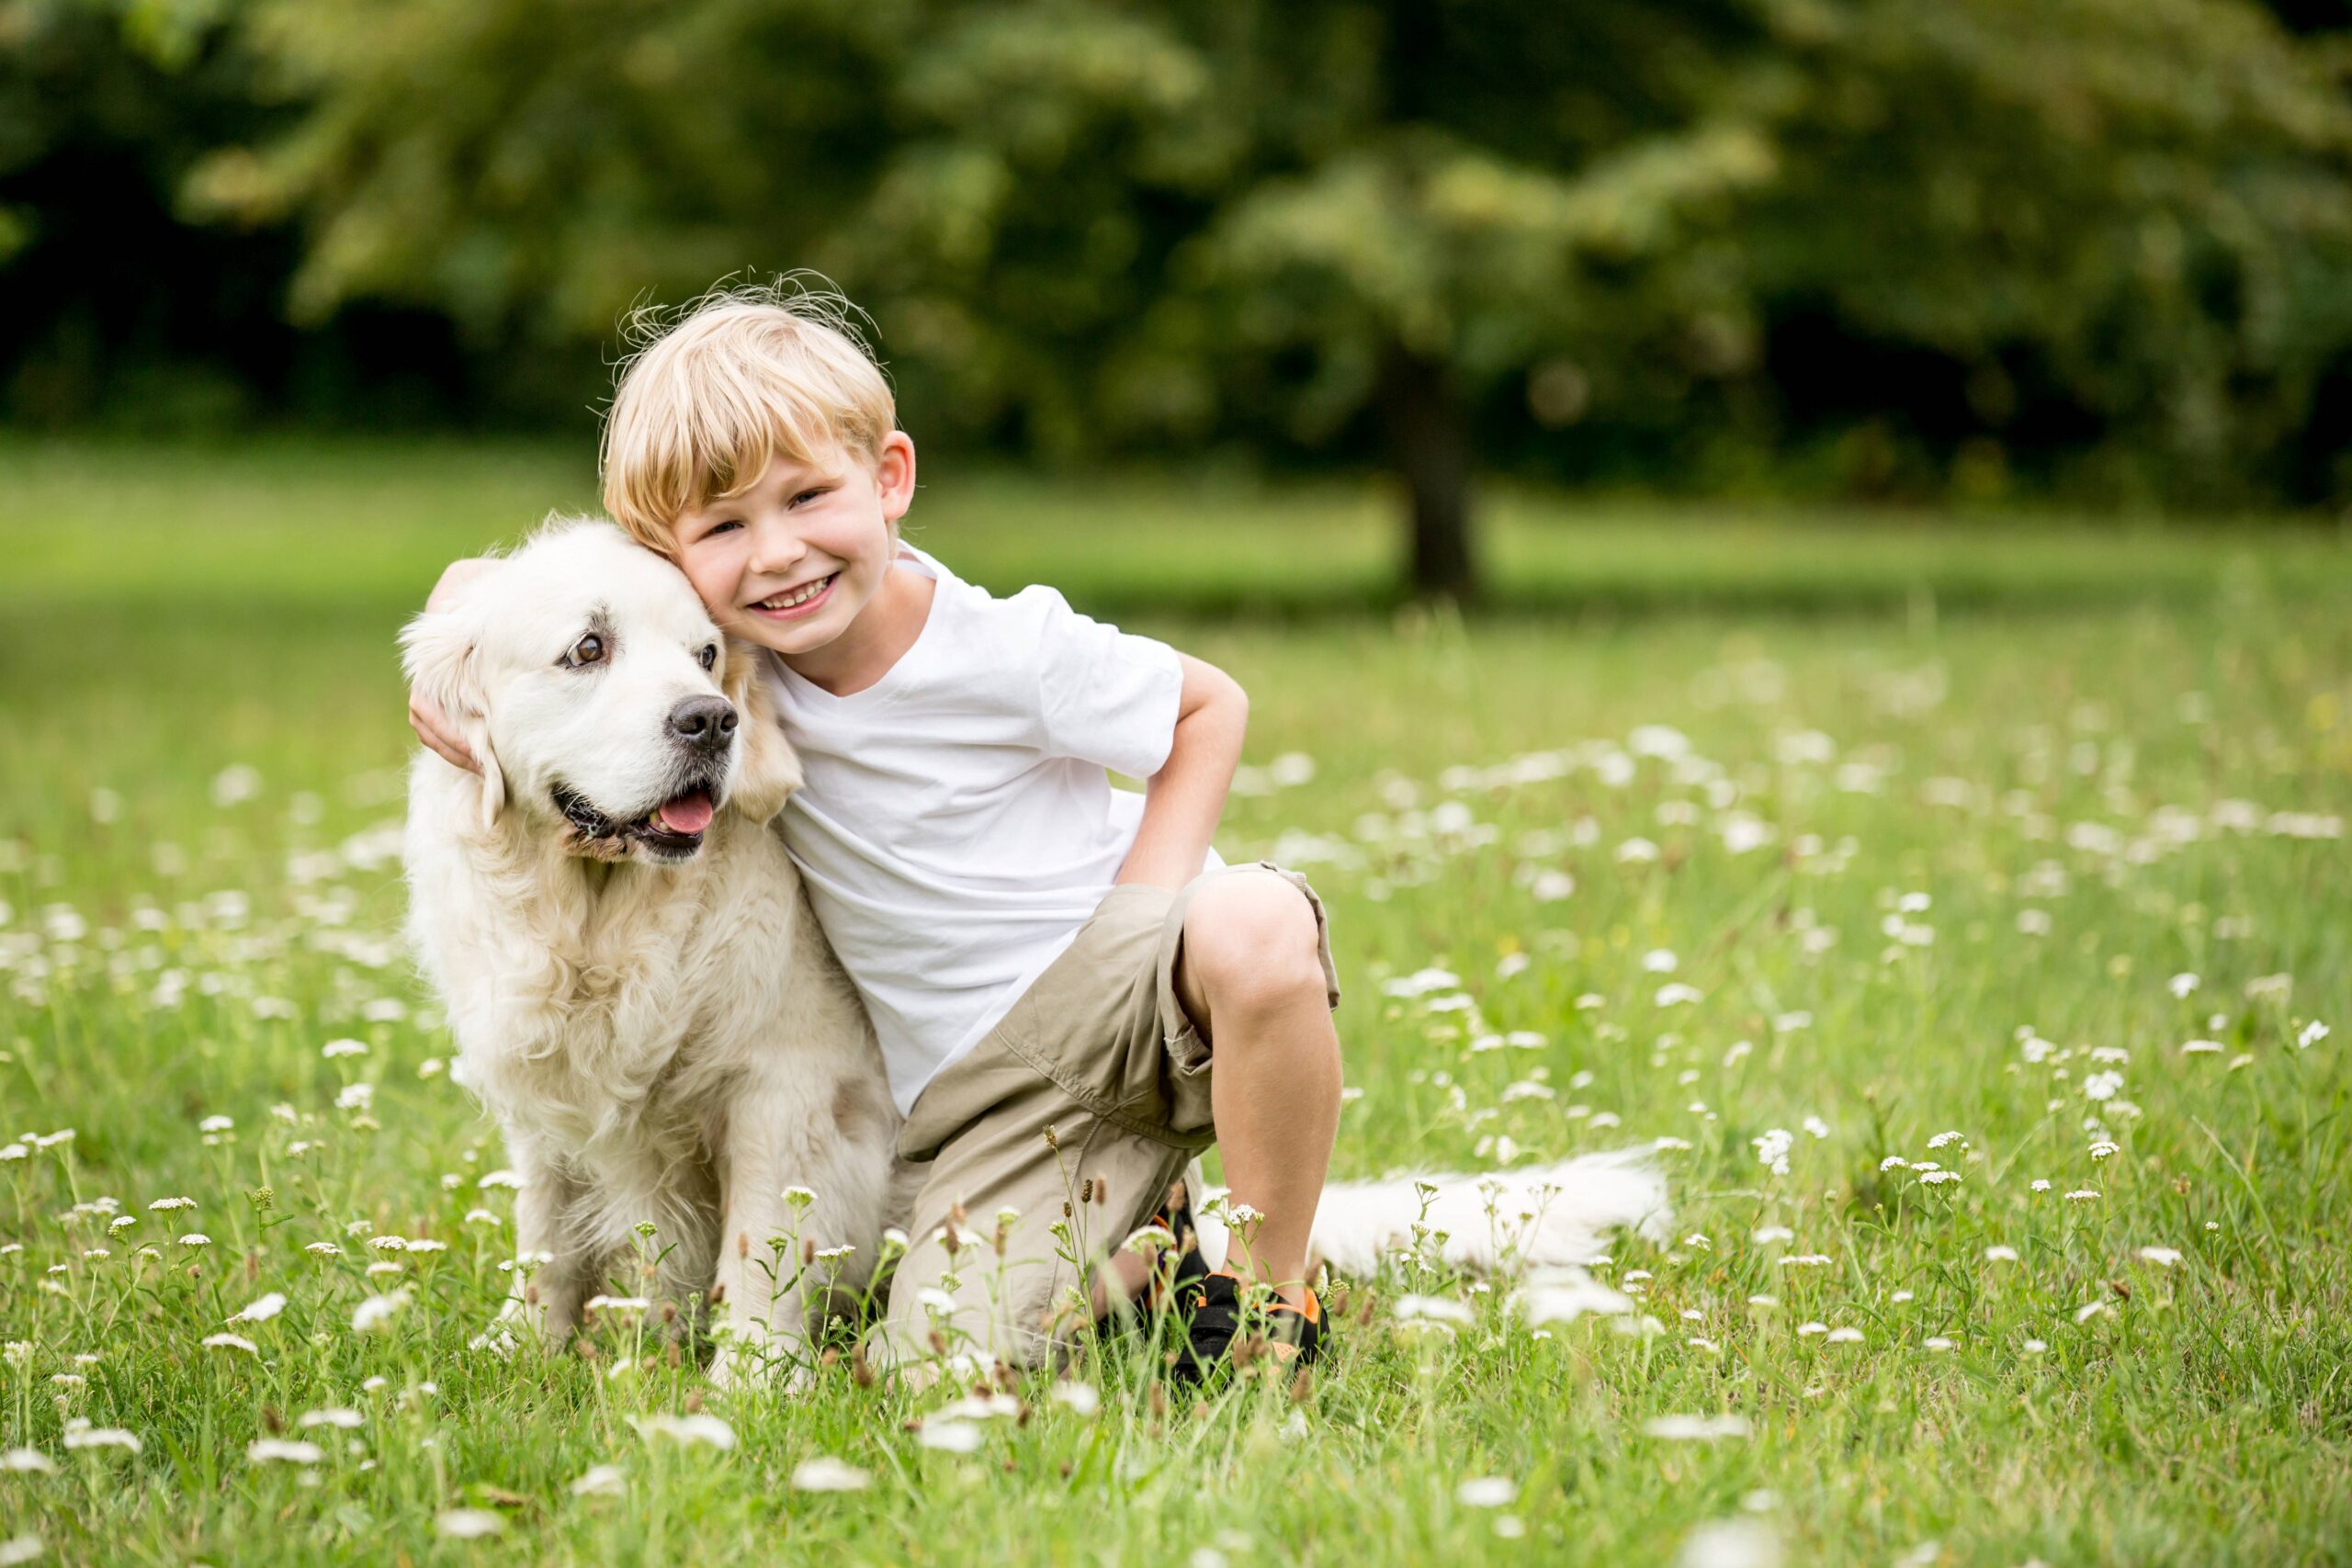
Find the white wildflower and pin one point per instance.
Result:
(701, 1429)
(377, 1312)
(102, 1437)
(1696, 1429)
(950, 1436)
(467, 1524)
(289, 1450)
(1439, 1309)
(261, 1309)
(601, 1481)
(826, 1474)
(1731, 1543)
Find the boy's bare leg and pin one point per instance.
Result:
(1251, 976)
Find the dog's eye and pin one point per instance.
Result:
(709, 657)
(589, 650)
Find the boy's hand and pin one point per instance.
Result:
(432, 726)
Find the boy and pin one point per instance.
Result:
(1051, 971)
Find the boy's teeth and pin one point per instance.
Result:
(786, 600)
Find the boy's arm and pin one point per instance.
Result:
(1184, 799)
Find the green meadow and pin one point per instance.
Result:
(1961, 908)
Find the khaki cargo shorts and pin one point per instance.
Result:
(1058, 1135)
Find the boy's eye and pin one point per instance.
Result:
(589, 650)
(807, 495)
(709, 657)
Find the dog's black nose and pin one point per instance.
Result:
(705, 723)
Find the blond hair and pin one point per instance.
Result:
(716, 393)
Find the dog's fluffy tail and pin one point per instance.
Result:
(1532, 1217)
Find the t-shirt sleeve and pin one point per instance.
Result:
(1105, 696)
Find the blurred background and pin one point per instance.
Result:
(1947, 255)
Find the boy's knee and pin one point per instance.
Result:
(1252, 940)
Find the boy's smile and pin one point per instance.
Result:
(800, 563)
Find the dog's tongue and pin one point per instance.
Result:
(687, 814)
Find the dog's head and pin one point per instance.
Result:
(600, 700)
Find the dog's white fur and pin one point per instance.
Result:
(1551, 1216)
(662, 1043)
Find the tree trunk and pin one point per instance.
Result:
(1430, 448)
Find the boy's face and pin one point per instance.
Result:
(791, 563)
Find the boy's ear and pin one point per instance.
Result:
(767, 773)
(441, 653)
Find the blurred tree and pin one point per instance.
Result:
(1086, 223)
(2139, 208)
(128, 315)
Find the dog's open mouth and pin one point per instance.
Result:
(673, 828)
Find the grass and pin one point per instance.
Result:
(2102, 760)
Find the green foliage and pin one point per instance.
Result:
(1114, 221)
(2144, 203)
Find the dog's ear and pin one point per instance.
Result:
(768, 772)
(441, 652)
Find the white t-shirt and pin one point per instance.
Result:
(955, 826)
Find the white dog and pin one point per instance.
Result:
(638, 991)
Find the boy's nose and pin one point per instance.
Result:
(776, 549)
